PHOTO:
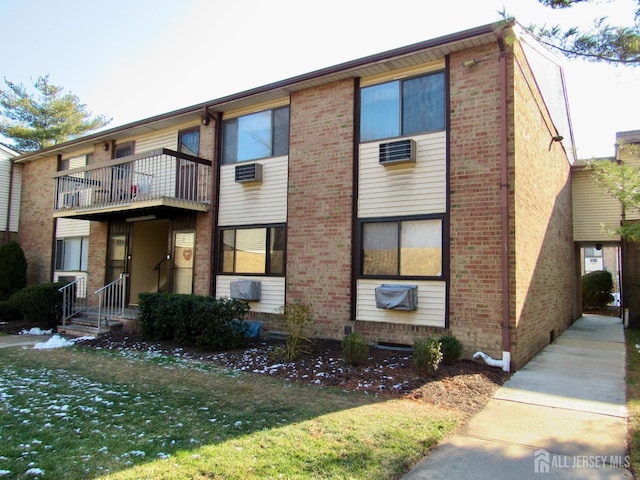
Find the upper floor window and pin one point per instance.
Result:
(189, 141)
(258, 135)
(403, 107)
(402, 248)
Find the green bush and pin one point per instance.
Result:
(596, 290)
(451, 349)
(193, 320)
(427, 355)
(355, 348)
(295, 318)
(40, 304)
(13, 269)
(8, 312)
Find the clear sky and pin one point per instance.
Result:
(132, 59)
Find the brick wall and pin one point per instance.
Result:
(98, 238)
(320, 204)
(543, 249)
(475, 305)
(36, 218)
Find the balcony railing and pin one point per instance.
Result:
(144, 177)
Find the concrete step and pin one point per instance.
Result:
(87, 325)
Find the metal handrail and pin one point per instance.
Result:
(158, 267)
(74, 298)
(111, 300)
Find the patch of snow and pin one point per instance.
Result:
(36, 331)
(4, 473)
(56, 342)
(34, 471)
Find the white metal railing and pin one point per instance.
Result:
(145, 176)
(111, 300)
(74, 298)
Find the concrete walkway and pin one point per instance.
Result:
(562, 416)
(22, 340)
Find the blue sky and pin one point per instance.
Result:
(138, 58)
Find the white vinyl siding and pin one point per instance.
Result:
(254, 203)
(592, 208)
(406, 189)
(431, 304)
(271, 291)
(67, 227)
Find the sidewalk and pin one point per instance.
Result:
(562, 416)
(22, 340)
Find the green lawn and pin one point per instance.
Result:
(84, 413)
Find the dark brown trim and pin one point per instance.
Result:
(355, 226)
(446, 221)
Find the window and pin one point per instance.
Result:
(72, 254)
(258, 135)
(402, 248)
(403, 107)
(189, 141)
(252, 250)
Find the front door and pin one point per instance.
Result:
(149, 265)
(184, 245)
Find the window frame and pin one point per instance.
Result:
(268, 271)
(399, 221)
(186, 131)
(401, 132)
(61, 252)
(274, 150)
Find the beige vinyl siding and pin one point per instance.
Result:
(78, 161)
(252, 203)
(431, 303)
(592, 208)
(67, 227)
(5, 175)
(631, 158)
(271, 291)
(407, 189)
(166, 138)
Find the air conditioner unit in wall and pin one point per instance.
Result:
(397, 297)
(248, 172)
(245, 290)
(402, 151)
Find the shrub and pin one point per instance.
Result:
(596, 290)
(451, 349)
(355, 348)
(8, 312)
(295, 317)
(13, 269)
(427, 355)
(193, 320)
(40, 304)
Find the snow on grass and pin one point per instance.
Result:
(56, 342)
(36, 331)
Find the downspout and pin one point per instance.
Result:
(505, 362)
(11, 174)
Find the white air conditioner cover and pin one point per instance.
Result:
(245, 290)
(397, 297)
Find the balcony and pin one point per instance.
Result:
(146, 183)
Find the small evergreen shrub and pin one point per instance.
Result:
(355, 348)
(427, 355)
(294, 319)
(13, 269)
(40, 304)
(8, 312)
(596, 290)
(451, 349)
(193, 320)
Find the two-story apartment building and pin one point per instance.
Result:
(423, 189)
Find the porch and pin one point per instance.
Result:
(141, 184)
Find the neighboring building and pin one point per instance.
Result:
(10, 184)
(440, 166)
